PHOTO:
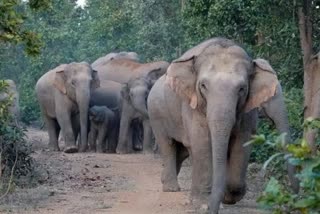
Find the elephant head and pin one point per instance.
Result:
(97, 114)
(219, 80)
(136, 91)
(76, 80)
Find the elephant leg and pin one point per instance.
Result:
(137, 135)
(67, 130)
(92, 138)
(112, 140)
(147, 137)
(169, 177)
(182, 154)
(125, 132)
(53, 131)
(101, 140)
(201, 159)
(75, 121)
(201, 171)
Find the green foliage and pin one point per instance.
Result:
(278, 196)
(12, 18)
(15, 159)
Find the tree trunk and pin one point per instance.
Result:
(311, 75)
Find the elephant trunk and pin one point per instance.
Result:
(140, 104)
(127, 113)
(83, 99)
(221, 120)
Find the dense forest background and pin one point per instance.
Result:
(160, 30)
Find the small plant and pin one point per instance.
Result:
(277, 196)
(15, 159)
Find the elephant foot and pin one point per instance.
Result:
(137, 147)
(233, 195)
(71, 149)
(100, 150)
(83, 149)
(148, 151)
(54, 148)
(170, 188)
(200, 204)
(122, 150)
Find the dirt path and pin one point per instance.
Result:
(106, 183)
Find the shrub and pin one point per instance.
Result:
(277, 196)
(15, 159)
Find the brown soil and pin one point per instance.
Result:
(108, 183)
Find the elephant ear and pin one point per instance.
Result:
(95, 79)
(60, 78)
(181, 78)
(154, 75)
(125, 91)
(263, 84)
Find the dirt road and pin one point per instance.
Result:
(107, 183)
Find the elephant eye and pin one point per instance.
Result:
(242, 91)
(203, 86)
(73, 82)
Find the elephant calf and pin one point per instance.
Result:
(102, 128)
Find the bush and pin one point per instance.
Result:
(277, 196)
(15, 159)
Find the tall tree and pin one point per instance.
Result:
(307, 13)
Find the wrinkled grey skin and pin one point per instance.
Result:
(14, 108)
(206, 107)
(121, 70)
(108, 95)
(134, 106)
(102, 128)
(111, 56)
(64, 94)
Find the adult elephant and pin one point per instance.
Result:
(121, 70)
(111, 56)
(109, 95)
(205, 106)
(12, 93)
(134, 106)
(64, 94)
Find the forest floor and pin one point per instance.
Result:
(108, 183)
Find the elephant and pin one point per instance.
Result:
(206, 106)
(102, 128)
(109, 95)
(134, 105)
(121, 69)
(14, 108)
(111, 56)
(64, 94)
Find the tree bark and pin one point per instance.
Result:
(311, 75)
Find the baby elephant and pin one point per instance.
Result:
(102, 128)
